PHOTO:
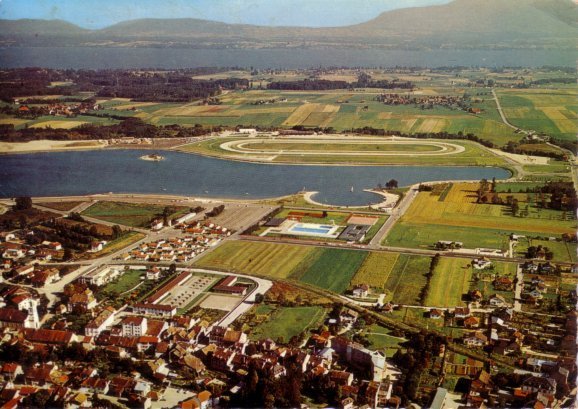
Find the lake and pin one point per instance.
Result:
(172, 58)
(121, 171)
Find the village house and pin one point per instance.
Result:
(99, 324)
(476, 339)
(162, 310)
(497, 301)
(82, 301)
(134, 326)
(361, 291)
(481, 263)
(101, 276)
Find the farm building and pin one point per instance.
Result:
(354, 232)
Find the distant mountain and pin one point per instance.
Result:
(459, 24)
(31, 27)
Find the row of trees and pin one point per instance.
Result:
(315, 84)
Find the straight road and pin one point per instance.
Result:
(395, 216)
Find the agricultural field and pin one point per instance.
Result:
(283, 323)
(552, 112)
(405, 234)
(63, 206)
(129, 214)
(407, 278)
(375, 270)
(333, 269)
(456, 216)
(266, 259)
(450, 281)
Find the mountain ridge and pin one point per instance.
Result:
(461, 23)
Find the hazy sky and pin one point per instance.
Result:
(314, 13)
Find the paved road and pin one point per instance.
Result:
(397, 213)
(518, 289)
(501, 112)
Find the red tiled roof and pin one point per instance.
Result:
(12, 315)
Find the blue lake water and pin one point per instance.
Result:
(121, 171)
(295, 58)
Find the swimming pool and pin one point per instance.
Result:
(312, 229)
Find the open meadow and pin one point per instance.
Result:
(455, 215)
(375, 270)
(449, 283)
(284, 323)
(129, 214)
(266, 259)
(553, 112)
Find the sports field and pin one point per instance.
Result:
(450, 281)
(285, 323)
(375, 270)
(348, 149)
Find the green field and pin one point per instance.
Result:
(333, 269)
(376, 269)
(407, 279)
(128, 280)
(450, 281)
(552, 112)
(128, 214)
(267, 259)
(426, 235)
(284, 323)
(473, 155)
(381, 339)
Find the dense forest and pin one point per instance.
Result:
(363, 81)
(140, 85)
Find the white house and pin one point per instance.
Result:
(134, 326)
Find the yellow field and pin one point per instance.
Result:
(564, 119)
(451, 279)
(12, 121)
(271, 110)
(408, 124)
(385, 115)
(301, 114)
(43, 97)
(267, 259)
(432, 125)
(459, 208)
(375, 269)
(58, 124)
(198, 110)
(134, 105)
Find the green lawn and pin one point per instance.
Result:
(129, 214)
(284, 323)
(425, 236)
(334, 269)
(380, 338)
(128, 280)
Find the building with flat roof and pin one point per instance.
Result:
(354, 232)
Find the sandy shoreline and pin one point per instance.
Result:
(45, 145)
(388, 203)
